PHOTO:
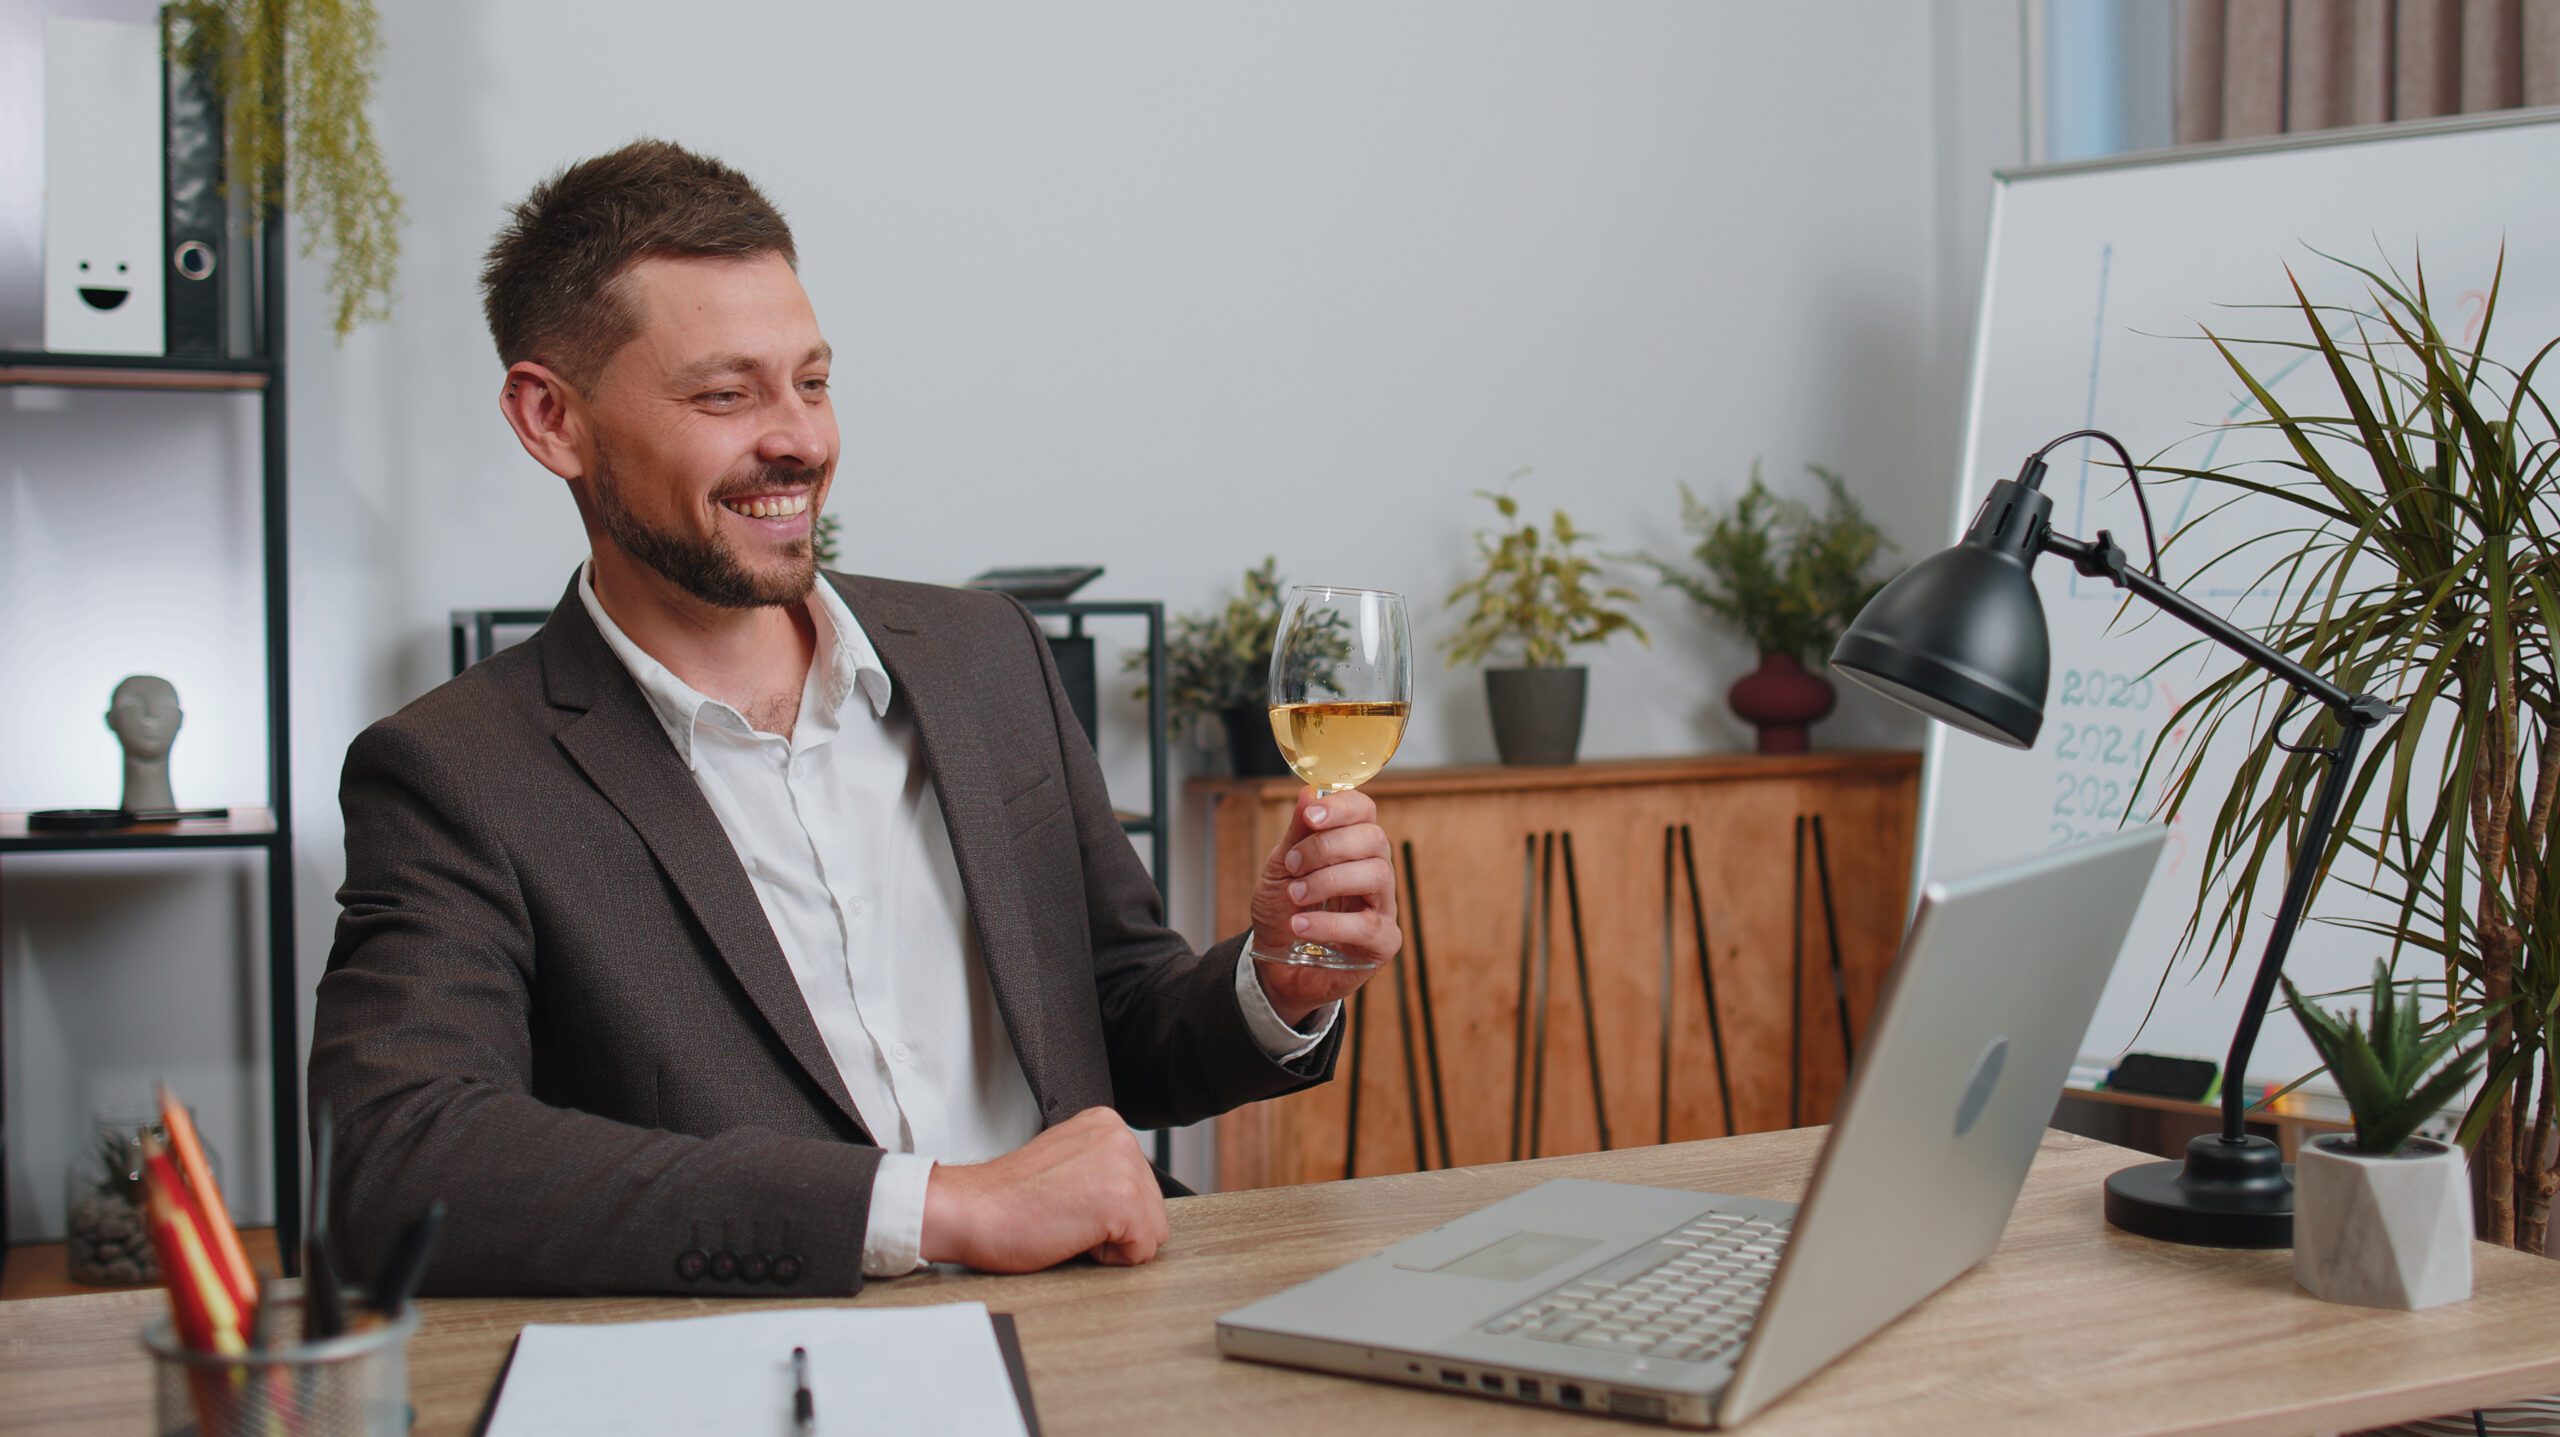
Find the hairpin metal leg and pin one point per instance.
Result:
(1582, 982)
(1707, 977)
(1520, 1009)
(1546, 962)
(1422, 993)
(1358, 1038)
(1795, 1001)
(1831, 934)
(1662, 1072)
(1412, 1069)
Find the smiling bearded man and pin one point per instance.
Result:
(752, 929)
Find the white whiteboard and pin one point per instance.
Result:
(2098, 279)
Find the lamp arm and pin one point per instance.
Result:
(2101, 558)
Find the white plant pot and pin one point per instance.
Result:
(2382, 1231)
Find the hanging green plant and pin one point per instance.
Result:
(296, 78)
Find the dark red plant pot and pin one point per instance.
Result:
(1782, 699)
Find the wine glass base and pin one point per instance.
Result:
(1316, 955)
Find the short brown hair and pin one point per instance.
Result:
(547, 283)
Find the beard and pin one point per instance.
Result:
(706, 566)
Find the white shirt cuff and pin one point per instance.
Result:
(1280, 1042)
(893, 1238)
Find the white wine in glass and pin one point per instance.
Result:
(1341, 689)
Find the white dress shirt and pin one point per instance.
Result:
(843, 839)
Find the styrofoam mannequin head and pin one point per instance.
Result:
(145, 716)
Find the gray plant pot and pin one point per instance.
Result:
(1537, 713)
(2382, 1231)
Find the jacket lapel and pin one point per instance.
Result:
(949, 727)
(623, 750)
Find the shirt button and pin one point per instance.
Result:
(899, 1053)
(854, 907)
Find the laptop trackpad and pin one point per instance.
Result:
(1511, 1259)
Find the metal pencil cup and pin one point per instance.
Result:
(354, 1385)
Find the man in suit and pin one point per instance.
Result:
(752, 929)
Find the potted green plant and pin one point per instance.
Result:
(2382, 1217)
(1790, 580)
(1218, 667)
(2428, 467)
(1539, 596)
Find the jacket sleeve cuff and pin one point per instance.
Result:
(1278, 1041)
(893, 1239)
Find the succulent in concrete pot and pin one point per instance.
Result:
(2382, 1218)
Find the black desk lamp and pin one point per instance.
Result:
(1960, 636)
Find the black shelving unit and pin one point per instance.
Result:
(269, 830)
(1156, 824)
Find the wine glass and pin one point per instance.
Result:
(1341, 687)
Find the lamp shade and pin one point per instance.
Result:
(1960, 636)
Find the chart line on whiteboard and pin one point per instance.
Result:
(2089, 413)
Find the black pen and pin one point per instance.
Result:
(804, 1408)
(397, 1282)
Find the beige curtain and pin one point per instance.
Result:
(2267, 67)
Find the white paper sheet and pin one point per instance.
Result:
(877, 1369)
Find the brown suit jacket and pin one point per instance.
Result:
(555, 1004)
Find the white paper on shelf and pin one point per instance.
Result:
(884, 1369)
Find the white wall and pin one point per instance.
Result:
(1163, 286)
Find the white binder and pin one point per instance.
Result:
(103, 285)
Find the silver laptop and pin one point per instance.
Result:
(1701, 1309)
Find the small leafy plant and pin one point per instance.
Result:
(1790, 579)
(1537, 591)
(1221, 659)
(2384, 1071)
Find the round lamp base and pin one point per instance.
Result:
(2224, 1195)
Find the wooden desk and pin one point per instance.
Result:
(2070, 1327)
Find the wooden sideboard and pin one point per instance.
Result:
(1469, 829)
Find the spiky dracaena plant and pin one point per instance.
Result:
(2395, 1073)
(2424, 565)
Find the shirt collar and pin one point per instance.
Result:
(844, 662)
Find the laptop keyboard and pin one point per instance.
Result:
(1691, 1296)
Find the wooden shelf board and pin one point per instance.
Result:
(182, 380)
(245, 828)
(43, 1269)
(1594, 773)
(135, 371)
